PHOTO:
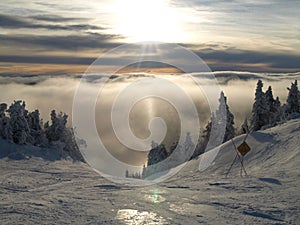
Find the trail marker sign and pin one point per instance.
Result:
(243, 148)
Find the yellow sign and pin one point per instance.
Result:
(244, 148)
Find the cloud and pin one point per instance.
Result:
(67, 42)
(227, 77)
(233, 59)
(32, 79)
(54, 18)
(268, 28)
(48, 59)
(217, 60)
(18, 22)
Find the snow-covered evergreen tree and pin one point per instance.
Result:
(3, 108)
(278, 115)
(5, 128)
(206, 134)
(157, 153)
(273, 107)
(36, 131)
(22, 127)
(184, 151)
(293, 105)
(270, 103)
(245, 127)
(224, 115)
(18, 123)
(57, 130)
(187, 148)
(144, 171)
(173, 147)
(58, 134)
(259, 111)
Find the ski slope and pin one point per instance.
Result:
(49, 187)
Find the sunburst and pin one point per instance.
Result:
(144, 20)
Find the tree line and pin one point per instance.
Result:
(267, 112)
(19, 126)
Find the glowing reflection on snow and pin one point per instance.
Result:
(133, 216)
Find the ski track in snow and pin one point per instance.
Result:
(38, 191)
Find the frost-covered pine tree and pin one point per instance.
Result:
(157, 153)
(144, 172)
(3, 108)
(174, 146)
(245, 127)
(293, 105)
(187, 147)
(56, 130)
(206, 134)
(259, 110)
(57, 133)
(270, 105)
(5, 129)
(36, 131)
(279, 114)
(224, 115)
(18, 123)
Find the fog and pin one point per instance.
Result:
(46, 93)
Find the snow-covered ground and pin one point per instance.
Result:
(36, 188)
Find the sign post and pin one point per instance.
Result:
(241, 151)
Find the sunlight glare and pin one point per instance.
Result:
(144, 20)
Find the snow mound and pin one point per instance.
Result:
(273, 151)
(24, 152)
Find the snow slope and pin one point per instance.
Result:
(35, 189)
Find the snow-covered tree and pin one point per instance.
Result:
(157, 153)
(293, 105)
(273, 107)
(224, 115)
(59, 135)
(173, 147)
(3, 108)
(144, 171)
(279, 114)
(184, 151)
(18, 123)
(187, 148)
(206, 134)
(36, 131)
(245, 127)
(5, 129)
(259, 111)
(270, 103)
(57, 130)
(22, 127)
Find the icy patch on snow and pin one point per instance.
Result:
(135, 217)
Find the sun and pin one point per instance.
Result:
(147, 20)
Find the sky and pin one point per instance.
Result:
(64, 37)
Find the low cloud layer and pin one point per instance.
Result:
(57, 92)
